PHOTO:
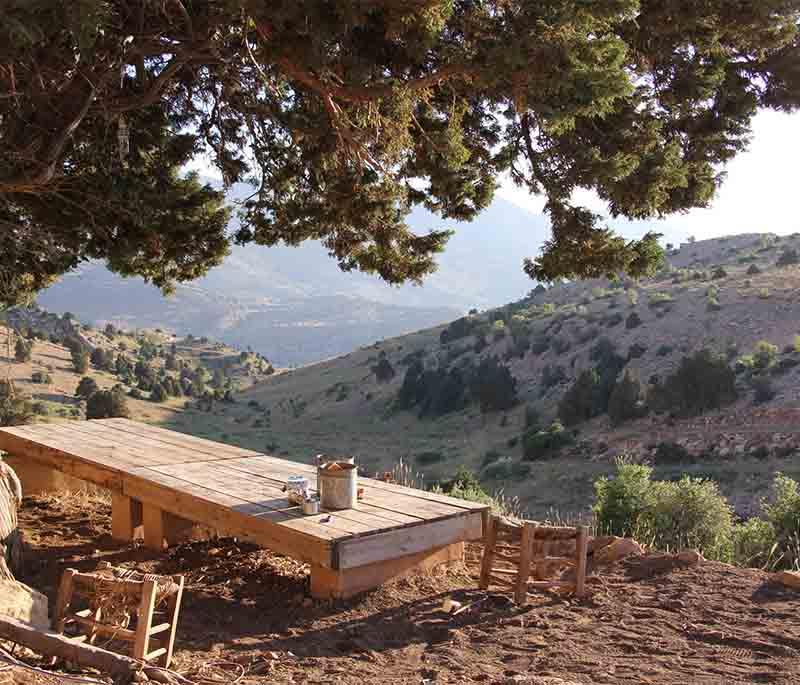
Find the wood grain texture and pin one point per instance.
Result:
(240, 492)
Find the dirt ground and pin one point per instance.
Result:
(247, 618)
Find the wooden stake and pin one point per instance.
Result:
(525, 557)
(489, 539)
(581, 551)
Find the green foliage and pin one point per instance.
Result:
(80, 359)
(719, 272)
(763, 294)
(633, 321)
(158, 393)
(23, 350)
(458, 329)
(86, 387)
(579, 402)
(788, 257)
(689, 513)
(753, 270)
(702, 382)
(626, 400)
(545, 444)
(664, 350)
(41, 377)
(782, 511)
(764, 391)
(428, 458)
(552, 375)
(493, 386)
(383, 370)
(764, 354)
(754, 543)
(107, 404)
(671, 453)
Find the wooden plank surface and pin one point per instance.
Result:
(240, 491)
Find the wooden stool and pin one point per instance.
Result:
(512, 547)
(112, 594)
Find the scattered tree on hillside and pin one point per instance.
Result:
(493, 385)
(107, 404)
(626, 401)
(80, 359)
(158, 393)
(753, 269)
(578, 403)
(23, 350)
(612, 98)
(99, 358)
(701, 383)
(788, 257)
(15, 408)
(86, 387)
(764, 355)
(383, 370)
(633, 321)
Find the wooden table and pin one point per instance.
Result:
(161, 479)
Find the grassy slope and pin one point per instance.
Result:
(303, 412)
(337, 406)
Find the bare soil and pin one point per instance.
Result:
(247, 618)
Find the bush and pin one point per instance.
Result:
(614, 319)
(552, 374)
(40, 409)
(633, 297)
(636, 351)
(788, 257)
(383, 370)
(764, 392)
(763, 294)
(428, 458)
(107, 404)
(561, 345)
(702, 382)
(625, 402)
(23, 351)
(667, 515)
(579, 402)
(41, 377)
(86, 387)
(493, 386)
(782, 511)
(753, 543)
(537, 444)
(764, 354)
(633, 321)
(80, 359)
(719, 272)
(753, 270)
(671, 453)
(664, 351)
(158, 393)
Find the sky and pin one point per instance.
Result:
(760, 193)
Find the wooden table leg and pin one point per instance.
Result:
(328, 583)
(153, 520)
(126, 518)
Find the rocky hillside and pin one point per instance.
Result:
(487, 391)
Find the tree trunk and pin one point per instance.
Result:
(10, 536)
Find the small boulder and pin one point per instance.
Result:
(617, 549)
(690, 557)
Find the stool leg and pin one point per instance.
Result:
(153, 519)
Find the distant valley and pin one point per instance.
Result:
(295, 306)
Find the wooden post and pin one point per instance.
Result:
(489, 540)
(144, 619)
(126, 518)
(173, 609)
(581, 550)
(62, 599)
(525, 557)
(153, 520)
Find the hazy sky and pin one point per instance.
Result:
(760, 193)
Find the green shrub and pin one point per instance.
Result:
(493, 386)
(614, 319)
(753, 543)
(540, 345)
(671, 453)
(579, 403)
(636, 351)
(553, 374)
(667, 515)
(41, 377)
(763, 294)
(764, 354)
(782, 511)
(80, 359)
(788, 257)
(106, 404)
(538, 444)
(23, 350)
(86, 388)
(713, 305)
(660, 299)
(428, 458)
(633, 321)
(633, 297)
(40, 408)
(764, 392)
(664, 351)
(501, 469)
(561, 345)
(626, 402)
(702, 382)
(622, 503)
(753, 270)
(719, 272)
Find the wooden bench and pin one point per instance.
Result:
(163, 482)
